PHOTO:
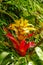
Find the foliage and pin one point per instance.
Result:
(15, 9)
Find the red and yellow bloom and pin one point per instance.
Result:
(22, 28)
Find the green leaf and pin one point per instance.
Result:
(39, 53)
(2, 56)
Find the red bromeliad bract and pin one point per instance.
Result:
(21, 47)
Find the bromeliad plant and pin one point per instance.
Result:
(22, 29)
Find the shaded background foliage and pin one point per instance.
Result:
(15, 9)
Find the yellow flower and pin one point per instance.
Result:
(21, 27)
